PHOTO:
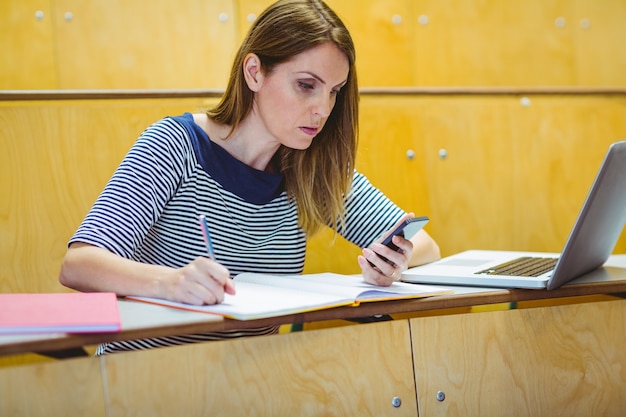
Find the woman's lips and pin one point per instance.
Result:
(312, 131)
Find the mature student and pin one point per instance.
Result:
(269, 166)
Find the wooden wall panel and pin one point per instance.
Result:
(391, 150)
(466, 150)
(116, 44)
(70, 387)
(190, 44)
(493, 43)
(559, 146)
(331, 372)
(543, 361)
(517, 168)
(599, 31)
(27, 45)
(383, 34)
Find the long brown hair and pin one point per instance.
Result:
(317, 178)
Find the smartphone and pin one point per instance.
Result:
(407, 229)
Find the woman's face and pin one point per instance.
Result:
(293, 102)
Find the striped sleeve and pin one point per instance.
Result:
(369, 213)
(136, 194)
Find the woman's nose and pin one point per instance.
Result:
(323, 106)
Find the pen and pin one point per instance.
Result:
(204, 227)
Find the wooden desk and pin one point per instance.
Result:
(144, 320)
(553, 360)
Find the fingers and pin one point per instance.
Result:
(215, 280)
(373, 275)
(229, 287)
(196, 294)
(381, 265)
(203, 281)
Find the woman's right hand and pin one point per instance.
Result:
(88, 268)
(203, 281)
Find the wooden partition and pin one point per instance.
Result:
(116, 44)
(550, 361)
(547, 361)
(113, 44)
(73, 387)
(512, 171)
(337, 372)
(494, 169)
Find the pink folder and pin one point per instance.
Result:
(59, 313)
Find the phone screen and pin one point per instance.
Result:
(408, 229)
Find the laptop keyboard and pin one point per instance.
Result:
(526, 266)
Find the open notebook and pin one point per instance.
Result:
(260, 295)
(590, 243)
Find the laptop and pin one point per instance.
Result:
(589, 245)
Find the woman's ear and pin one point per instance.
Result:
(252, 72)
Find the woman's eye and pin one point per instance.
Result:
(304, 85)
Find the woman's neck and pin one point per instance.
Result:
(243, 144)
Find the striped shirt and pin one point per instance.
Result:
(148, 212)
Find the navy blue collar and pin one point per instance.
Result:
(252, 185)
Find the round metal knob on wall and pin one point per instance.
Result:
(396, 19)
(396, 402)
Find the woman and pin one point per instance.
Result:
(269, 166)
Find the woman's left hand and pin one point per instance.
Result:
(378, 271)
